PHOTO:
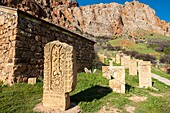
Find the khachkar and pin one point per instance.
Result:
(59, 75)
(133, 67)
(125, 61)
(144, 69)
(117, 78)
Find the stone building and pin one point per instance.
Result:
(22, 41)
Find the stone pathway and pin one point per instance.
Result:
(161, 79)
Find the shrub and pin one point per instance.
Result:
(131, 53)
(146, 57)
(167, 50)
(159, 49)
(165, 59)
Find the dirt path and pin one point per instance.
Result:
(161, 79)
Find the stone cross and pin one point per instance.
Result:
(132, 67)
(117, 82)
(59, 75)
(144, 69)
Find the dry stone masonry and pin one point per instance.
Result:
(144, 68)
(22, 41)
(59, 75)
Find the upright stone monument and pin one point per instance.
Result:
(144, 68)
(113, 59)
(118, 58)
(125, 61)
(132, 67)
(117, 82)
(110, 62)
(105, 72)
(59, 75)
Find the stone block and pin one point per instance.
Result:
(32, 81)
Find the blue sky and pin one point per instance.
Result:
(162, 7)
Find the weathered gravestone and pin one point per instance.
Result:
(144, 68)
(110, 62)
(105, 72)
(118, 58)
(133, 67)
(114, 59)
(117, 82)
(102, 57)
(125, 61)
(59, 75)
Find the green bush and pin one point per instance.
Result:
(167, 50)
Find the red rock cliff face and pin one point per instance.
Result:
(136, 16)
(112, 19)
(98, 20)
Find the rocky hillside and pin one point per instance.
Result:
(98, 20)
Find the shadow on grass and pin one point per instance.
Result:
(128, 88)
(88, 95)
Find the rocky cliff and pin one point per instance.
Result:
(98, 20)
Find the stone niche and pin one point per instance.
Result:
(59, 75)
(133, 67)
(125, 61)
(117, 81)
(144, 69)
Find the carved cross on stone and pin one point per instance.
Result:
(59, 75)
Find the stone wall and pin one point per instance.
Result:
(32, 35)
(8, 23)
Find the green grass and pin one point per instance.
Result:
(156, 37)
(20, 98)
(160, 73)
(131, 46)
(91, 93)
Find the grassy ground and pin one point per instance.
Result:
(130, 45)
(20, 98)
(92, 92)
(160, 73)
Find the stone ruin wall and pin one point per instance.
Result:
(31, 36)
(8, 31)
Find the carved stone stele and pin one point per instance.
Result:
(117, 82)
(144, 69)
(117, 58)
(125, 61)
(133, 67)
(105, 72)
(59, 75)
